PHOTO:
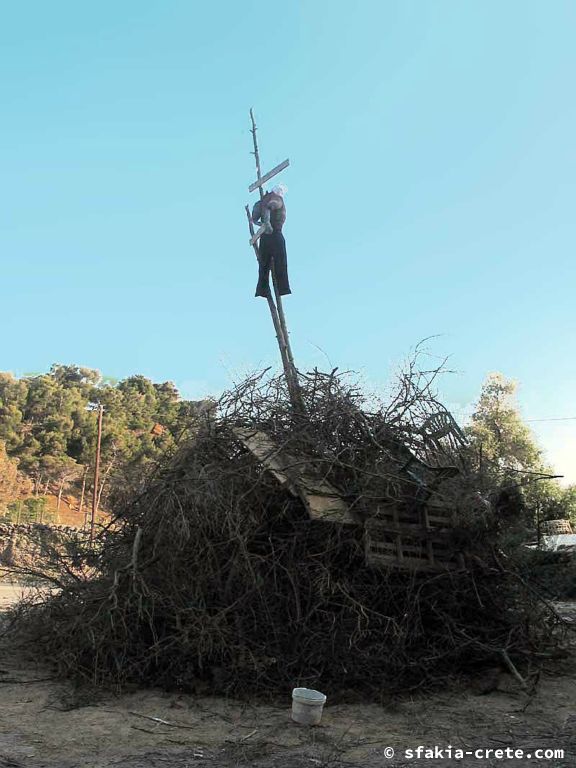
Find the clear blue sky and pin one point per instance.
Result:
(431, 189)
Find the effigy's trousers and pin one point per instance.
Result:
(272, 249)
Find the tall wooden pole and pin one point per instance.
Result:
(277, 295)
(96, 474)
(276, 309)
(273, 310)
(256, 152)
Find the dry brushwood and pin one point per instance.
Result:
(214, 577)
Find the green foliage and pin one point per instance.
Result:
(36, 509)
(497, 428)
(32, 510)
(569, 503)
(47, 428)
(509, 454)
(12, 482)
(13, 395)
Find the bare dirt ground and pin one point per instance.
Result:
(45, 723)
(10, 592)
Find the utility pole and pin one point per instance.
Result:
(96, 473)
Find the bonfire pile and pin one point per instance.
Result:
(215, 578)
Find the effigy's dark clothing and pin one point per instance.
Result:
(272, 248)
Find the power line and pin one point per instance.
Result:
(554, 418)
(559, 418)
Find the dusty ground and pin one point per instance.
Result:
(9, 593)
(44, 723)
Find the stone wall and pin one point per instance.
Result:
(25, 545)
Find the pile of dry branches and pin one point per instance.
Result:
(216, 579)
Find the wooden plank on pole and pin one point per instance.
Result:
(267, 176)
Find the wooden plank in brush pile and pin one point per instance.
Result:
(296, 473)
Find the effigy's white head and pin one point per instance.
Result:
(281, 190)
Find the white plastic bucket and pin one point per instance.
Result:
(307, 706)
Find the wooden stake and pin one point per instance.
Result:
(276, 310)
(96, 473)
(256, 152)
(271, 305)
(283, 325)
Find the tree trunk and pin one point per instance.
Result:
(106, 473)
(102, 484)
(60, 490)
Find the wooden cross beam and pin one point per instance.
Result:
(267, 176)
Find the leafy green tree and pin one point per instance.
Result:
(37, 509)
(566, 505)
(508, 452)
(33, 510)
(498, 431)
(46, 425)
(12, 482)
(13, 395)
(74, 376)
(15, 512)
(61, 471)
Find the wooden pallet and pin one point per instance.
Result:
(429, 517)
(416, 540)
